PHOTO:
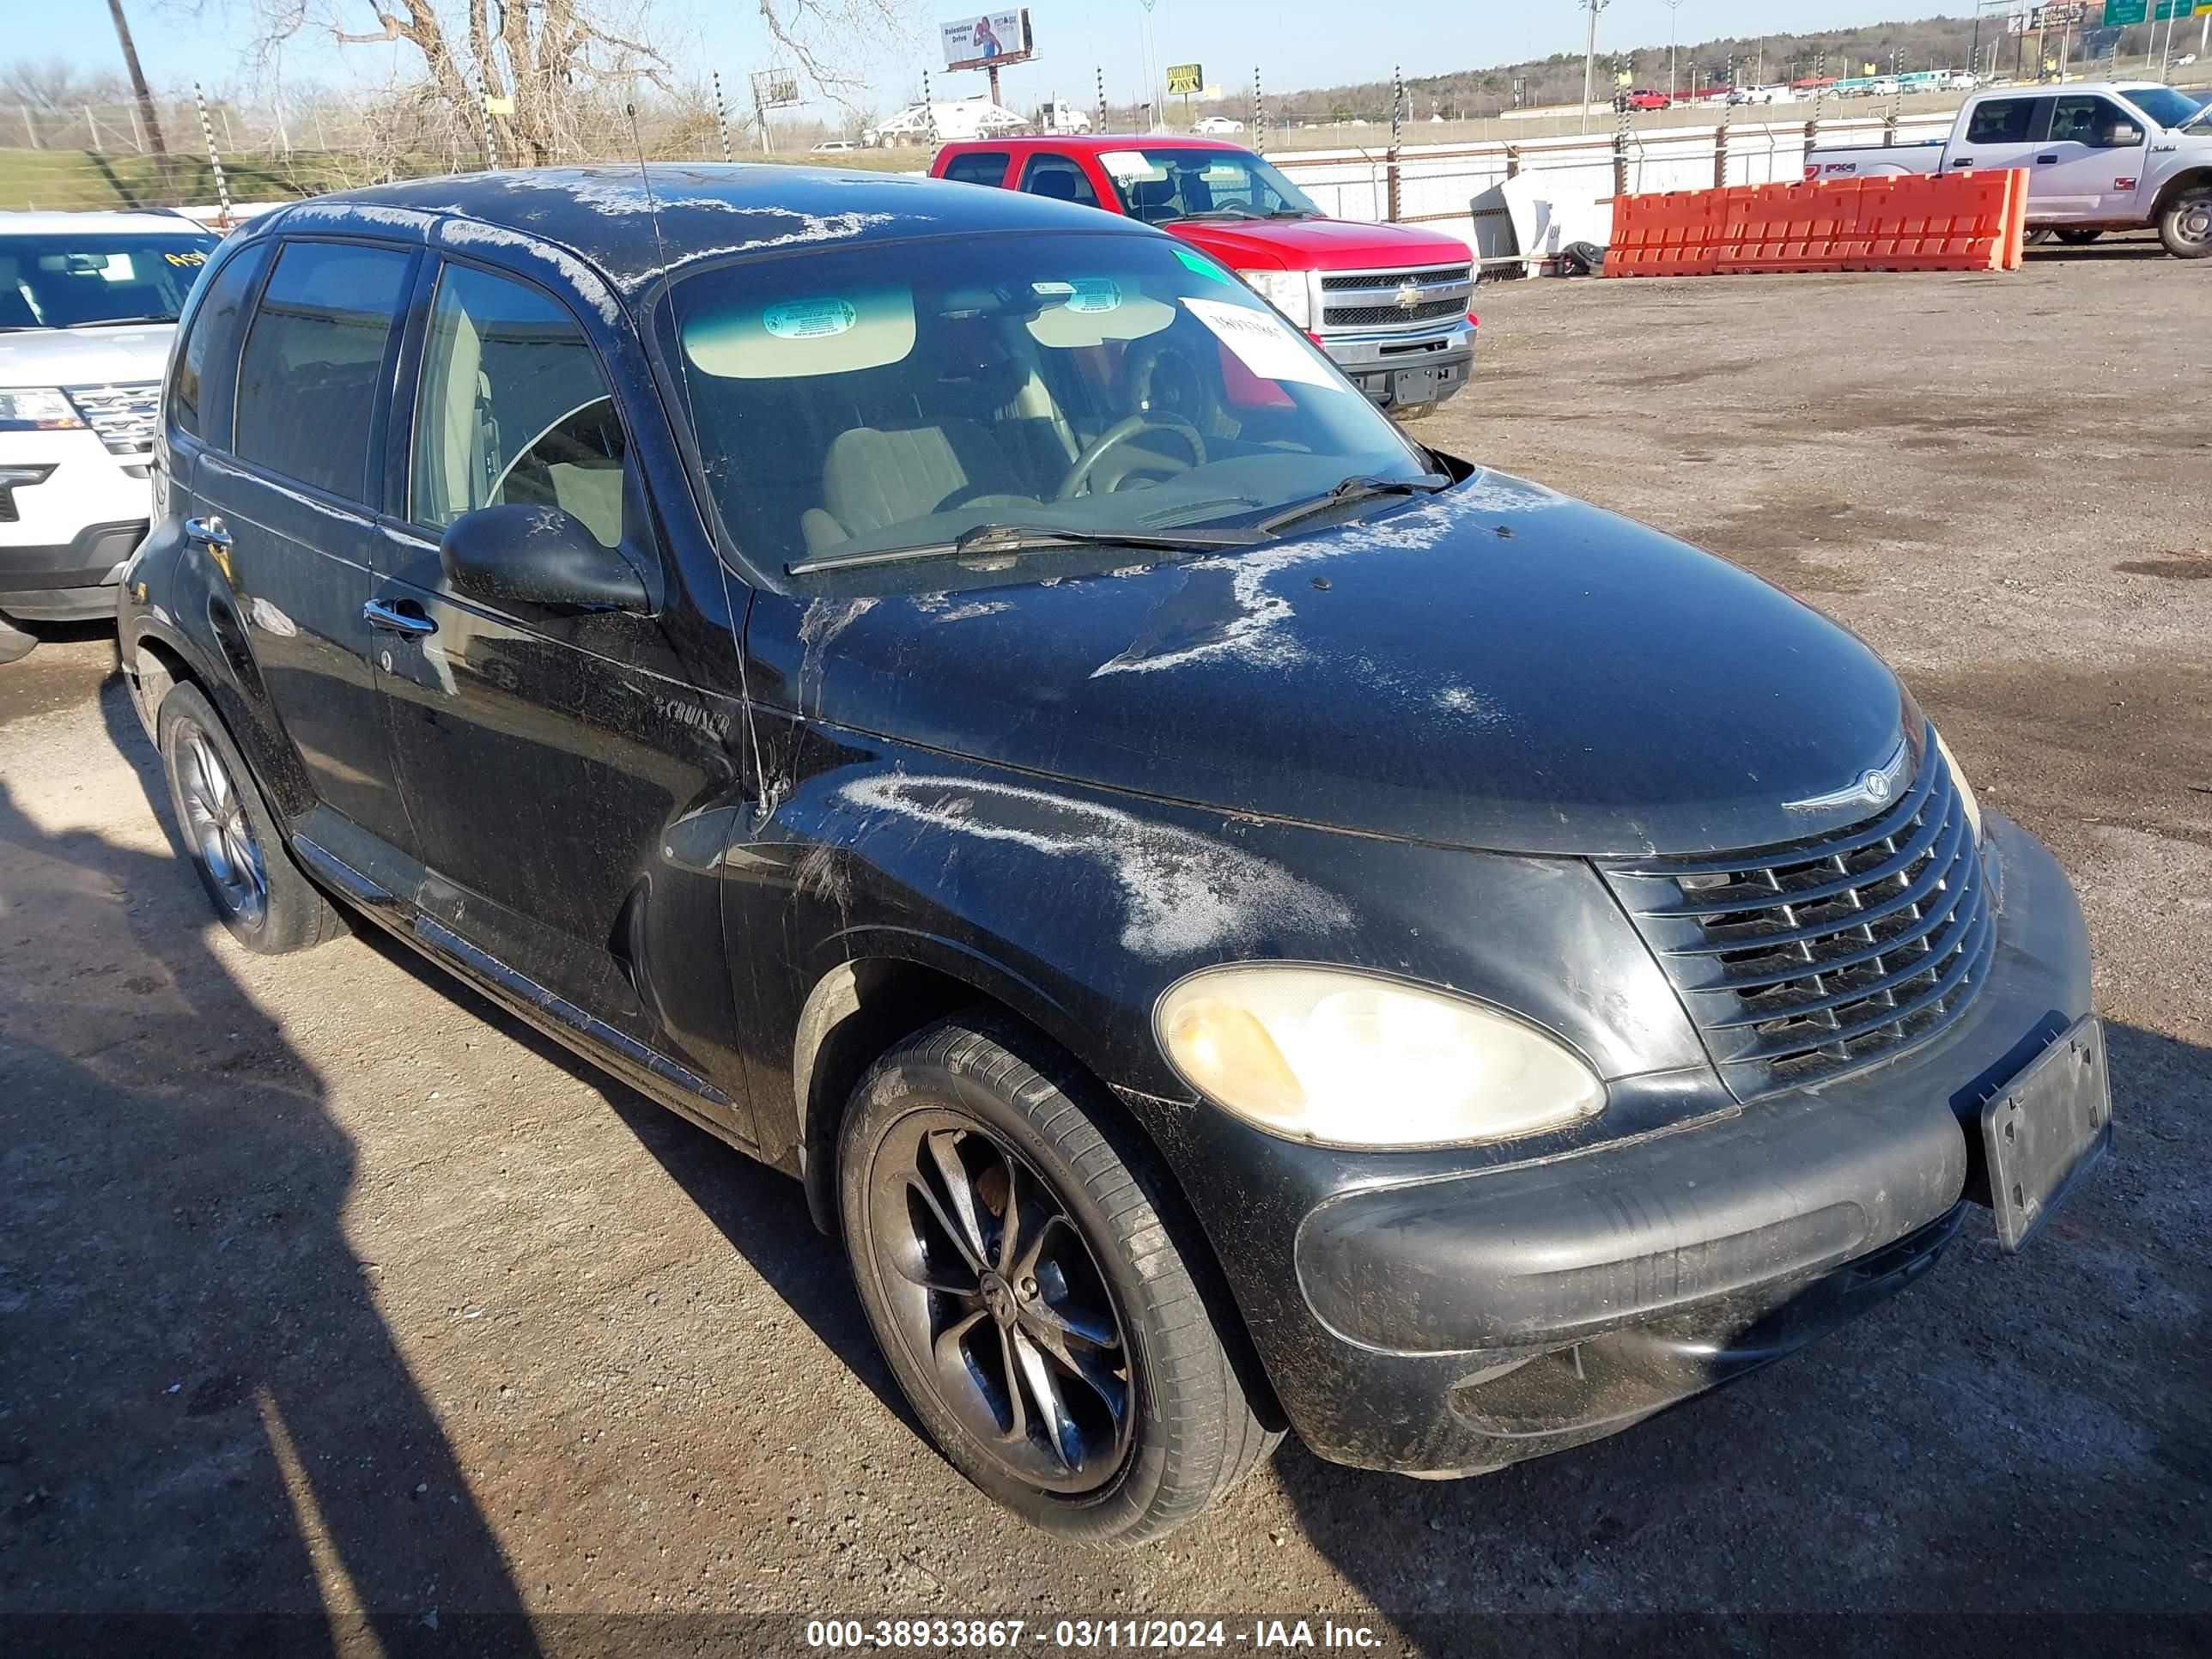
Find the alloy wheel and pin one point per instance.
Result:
(2193, 225)
(1001, 1302)
(220, 833)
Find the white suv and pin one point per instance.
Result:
(88, 304)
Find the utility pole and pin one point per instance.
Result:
(140, 91)
(1672, 7)
(1589, 58)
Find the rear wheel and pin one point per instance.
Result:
(2185, 227)
(2037, 238)
(1013, 1261)
(236, 846)
(2079, 238)
(15, 643)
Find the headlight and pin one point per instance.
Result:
(1958, 782)
(36, 409)
(1349, 1060)
(1286, 290)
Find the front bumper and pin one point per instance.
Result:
(1462, 1322)
(1401, 371)
(73, 582)
(65, 537)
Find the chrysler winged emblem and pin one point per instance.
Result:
(1872, 787)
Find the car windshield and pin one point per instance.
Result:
(853, 402)
(2164, 105)
(56, 281)
(1166, 183)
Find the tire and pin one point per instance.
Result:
(236, 849)
(2080, 238)
(1088, 1271)
(2037, 238)
(2185, 227)
(15, 643)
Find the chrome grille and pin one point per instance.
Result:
(123, 416)
(1370, 299)
(1814, 957)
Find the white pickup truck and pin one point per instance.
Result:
(2100, 155)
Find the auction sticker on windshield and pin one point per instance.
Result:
(1263, 343)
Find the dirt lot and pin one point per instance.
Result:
(329, 1294)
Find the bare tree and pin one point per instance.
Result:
(833, 41)
(56, 83)
(537, 53)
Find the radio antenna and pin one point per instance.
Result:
(766, 801)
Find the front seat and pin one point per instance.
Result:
(873, 477)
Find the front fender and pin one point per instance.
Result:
(1077, 907)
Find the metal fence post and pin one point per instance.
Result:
(1513, 161)
(1397, 114)
(1621, 152)
(722, 118)
(1099, 70)
(1720, 149)
(1258, 117)
(215, 161)
(928, 111)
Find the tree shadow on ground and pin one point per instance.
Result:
(210, 1439)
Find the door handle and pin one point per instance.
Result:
(393, 620)
(1962, 161)
(2045, 161)
(207, 532)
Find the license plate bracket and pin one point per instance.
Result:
(1412, 387)
(2045, 1129)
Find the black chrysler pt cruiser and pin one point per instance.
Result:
(1241, 921)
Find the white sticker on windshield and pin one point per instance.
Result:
(1263, 341)
(1096, 294)
(809, 319)
(1127, 164)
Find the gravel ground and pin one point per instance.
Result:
(330, 1295)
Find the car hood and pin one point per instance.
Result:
(1322, 243)
(126, 353)
(1498, 667)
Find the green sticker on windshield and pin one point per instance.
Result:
(809, 319)
(1204, 266)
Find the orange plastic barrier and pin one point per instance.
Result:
(1908, 222)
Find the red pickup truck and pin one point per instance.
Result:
(1388, 303)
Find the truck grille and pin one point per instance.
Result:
(1811, 958)
(123, 416)
(1371, 300)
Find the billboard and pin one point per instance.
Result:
(1185, 79)
(996, 37)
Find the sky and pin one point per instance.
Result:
(1293, 43)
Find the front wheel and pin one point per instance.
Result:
(2185, 227)
(1015, 1265)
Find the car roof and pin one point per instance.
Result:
(35, 223)
(1092, 144)
(704, 211)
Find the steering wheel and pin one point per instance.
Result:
(1119, 433)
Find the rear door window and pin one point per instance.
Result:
(978, 166)
(1060, 179)
(2002, 121)
(313, 370)
(198, 405)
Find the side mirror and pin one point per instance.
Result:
(2126, 134)
(521, 553)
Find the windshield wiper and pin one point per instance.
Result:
(1029, 538)
(116, 322)
(1295, 213)
(1360, 487)
(1220, 213)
